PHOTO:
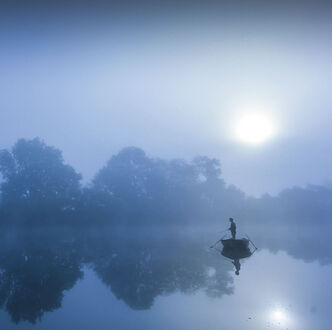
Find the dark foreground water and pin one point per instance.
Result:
(164, 278)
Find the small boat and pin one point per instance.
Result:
(235, 244)
(236, 253)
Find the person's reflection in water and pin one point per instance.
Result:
(237, 265)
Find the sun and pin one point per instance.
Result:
(254, 128)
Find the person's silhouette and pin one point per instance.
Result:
(232, 228)
(237, 265)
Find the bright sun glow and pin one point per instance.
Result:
(279, 316)
(254, 128)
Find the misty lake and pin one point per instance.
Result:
(166, 165)
(163, 278)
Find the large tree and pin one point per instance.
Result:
(36, 181)
(127, 182)
(138, 187)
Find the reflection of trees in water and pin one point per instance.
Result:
(36, 268)
(308, 243)
(138, 271)
(34, 275)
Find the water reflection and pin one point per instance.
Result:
(142, 268)
(37, 267)
(237, 250)
(35, 270)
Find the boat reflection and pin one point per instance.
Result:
(237, 249)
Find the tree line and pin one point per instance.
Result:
(38, 187)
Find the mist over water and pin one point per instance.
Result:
(165, 165)
(136, 247)
(122, 276)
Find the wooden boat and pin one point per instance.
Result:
(235, 244)
(236, 253)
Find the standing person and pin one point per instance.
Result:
(232, 228)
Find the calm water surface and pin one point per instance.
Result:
(163, 279)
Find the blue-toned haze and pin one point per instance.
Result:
(172, 79)
(143, 98)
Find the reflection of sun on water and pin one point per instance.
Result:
(279, 318)
(279, 315)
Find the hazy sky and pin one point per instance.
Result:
(173, 79)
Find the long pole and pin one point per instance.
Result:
(251, 242)
(212, 246)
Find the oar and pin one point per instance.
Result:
(251, 242)
(212, 246)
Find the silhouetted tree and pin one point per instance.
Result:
(154, 189)
(36, 182)
(126, 181)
